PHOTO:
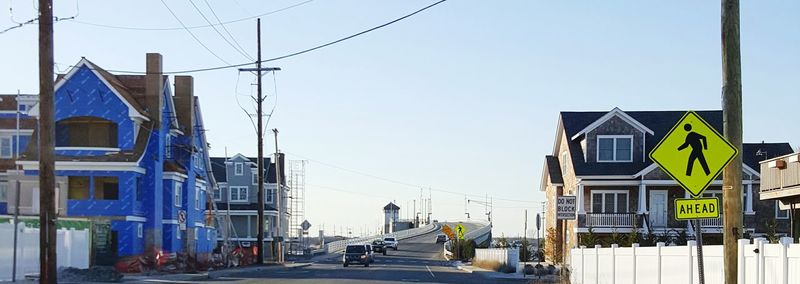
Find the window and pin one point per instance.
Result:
(86, 131)
(255, 177)
(139, 230)
(218, 193)
(780, 214)
(614, 148)
(564, 156)
(238, 193)
(22, 107)
(78, 188)
(238, 169)
(138, 188)
(168, 147)
(268, 197)
(609, 201)
(178, 190)
(106, 188)
(3, 191)
(197, 192)
(6, 146)
(196, 231)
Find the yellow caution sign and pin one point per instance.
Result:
(693, 153)
(460, 231)
(696, 208)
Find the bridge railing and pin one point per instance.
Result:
(337, 246)
(474, 235)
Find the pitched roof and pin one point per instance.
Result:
(391, 206)
(753, 153)
(660, 122)
(218, 169)
(554, 170)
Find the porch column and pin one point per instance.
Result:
(579, 200)
(749, 202)
(642, 199)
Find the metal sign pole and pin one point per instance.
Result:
(699, 235)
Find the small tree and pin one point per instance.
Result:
(772, 231)
(553, 246)
(525, 252)
(589, 239)
(502, 242)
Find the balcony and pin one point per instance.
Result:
(780, 178)
(711, 223)
(610, 220)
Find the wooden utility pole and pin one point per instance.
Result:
(47, 182)
(732, 125)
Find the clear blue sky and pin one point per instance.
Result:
(463, 97)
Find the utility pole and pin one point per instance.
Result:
(47, 182)
(525, 237)
(732, 126)
(278, 174)
(260, 134)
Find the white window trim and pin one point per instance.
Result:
(139, 230)
(168, 147)
(10, 147)
(614, 151)
(603, 192)
(564, 157)
(238, 191)
(196, 232)
(197, 197)
(238, 169)
(178, 234)
(177, 194)
(778, 209)
(255, 176)
(220, 189)
(268, 192)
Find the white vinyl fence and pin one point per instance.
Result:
(507, 256)
(72, 250)
(758, 263)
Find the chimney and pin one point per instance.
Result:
(154, 87)
(184, 103)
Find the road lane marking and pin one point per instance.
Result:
(429, 271)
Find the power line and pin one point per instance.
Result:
(192, 27)
(226, 30)
(240, 51)
(191, 33)
(287, 55)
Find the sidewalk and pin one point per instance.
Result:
(194, 277)
(490, 274)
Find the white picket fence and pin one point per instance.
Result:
(72, 250)
(758, 263)
(507, 256)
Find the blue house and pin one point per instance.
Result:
(17, 122)
(132, 157)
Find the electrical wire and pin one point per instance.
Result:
(291, 54)
(227, 31)
(192, 27)
(190, 33)
(240, 51)
(34, 20)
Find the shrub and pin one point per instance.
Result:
(772, 233)
(589, 239)
(525, 252)
(553, 247)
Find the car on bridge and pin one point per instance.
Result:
(356, 254)
(390, 242)
(441, 238)
(379, 246)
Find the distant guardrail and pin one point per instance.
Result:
(405, 234)
(474, 234)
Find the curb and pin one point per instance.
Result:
(464, 268)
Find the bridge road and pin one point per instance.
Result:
(418, 259)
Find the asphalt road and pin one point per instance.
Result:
(418, 259)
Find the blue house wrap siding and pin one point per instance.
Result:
(84, 94)
(144, 213)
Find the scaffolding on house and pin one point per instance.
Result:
(296, 181)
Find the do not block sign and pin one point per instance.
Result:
(696, 208)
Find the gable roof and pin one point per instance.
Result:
(554, 170)
(616, 112)
(659, 122)
(391, 207)
(221, 175)
(753, 153)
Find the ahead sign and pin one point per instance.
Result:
(696, 208)
(565, 208)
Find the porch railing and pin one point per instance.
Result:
(711, 223)
(613, 220)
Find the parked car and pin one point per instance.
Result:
(441, 238)
(379, 246)
(355, 254)
(369, 253)
(390, 242)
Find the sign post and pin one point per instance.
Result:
(693, 142)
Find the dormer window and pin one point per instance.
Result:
(86, 131)
(614, 148)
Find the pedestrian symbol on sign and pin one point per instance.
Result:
(698, 143)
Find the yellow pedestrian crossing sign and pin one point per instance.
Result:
(460, 231)
(693, 153)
